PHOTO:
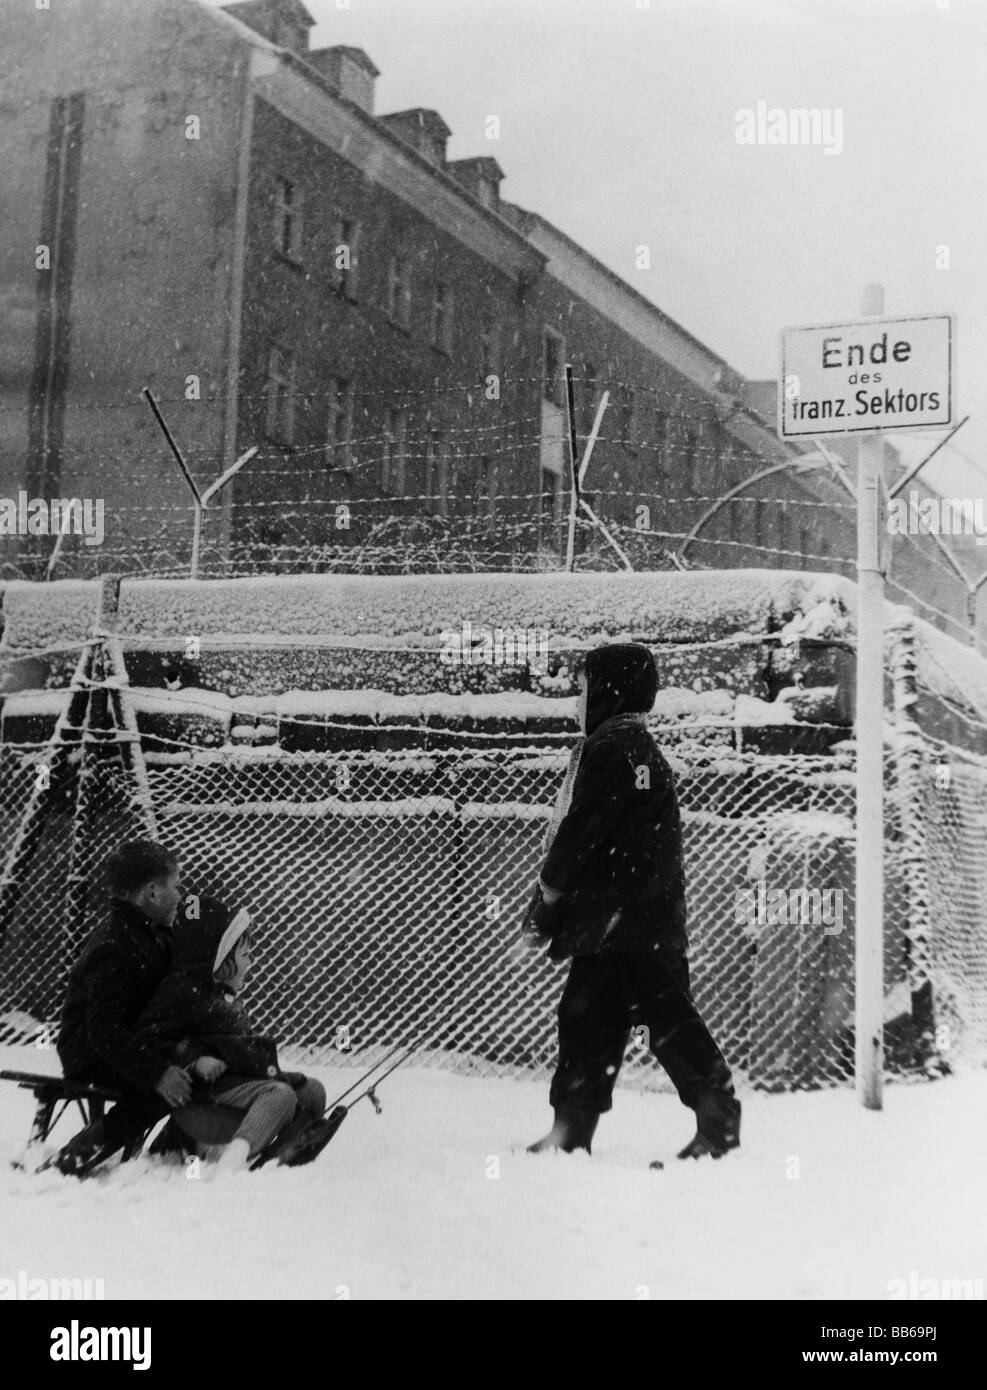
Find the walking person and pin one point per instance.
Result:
(611, 897)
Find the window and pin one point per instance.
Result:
(550, 495)
(626, 417)
(288, 219)
(725, 457)
(661, 436)
(280, 391)
(804, 547)
(399, 292)
(488, 346)
(553, 384)
(589, 397)
(486, 492)
(437, 474)
(784, 540)
(344, 257)
(339, 435)
(442, 318)
(395, 453)
(759, 519)
(690, 446)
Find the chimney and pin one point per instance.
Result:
(425, 131)
(284, 22)
(349, 72)
(481, 176)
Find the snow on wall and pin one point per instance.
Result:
(324, 704)
(35, 703)
(944, 666)
(415, 610)
(37, 616)
(672, 706)
(670, 607)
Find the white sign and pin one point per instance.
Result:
(880, 374)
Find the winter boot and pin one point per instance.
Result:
(84, 1152)
(315, 1138)
(302, 1139)
(718, 1124)
(573, 1129)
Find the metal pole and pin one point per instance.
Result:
(203, 503)
(196, 538)
(570, 548)
(869, 965)
(971, 602)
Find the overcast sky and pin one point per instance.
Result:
(618, 124)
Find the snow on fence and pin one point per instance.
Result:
(387, 891)
(387, 865)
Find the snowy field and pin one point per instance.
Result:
(430, 1200)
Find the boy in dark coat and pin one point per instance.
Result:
(120, 966)
(611, 895)
(195, 1018)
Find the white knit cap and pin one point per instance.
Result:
(231, 936)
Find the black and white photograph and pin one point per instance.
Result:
(493, 668)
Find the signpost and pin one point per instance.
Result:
(862, 378)
(855, 378)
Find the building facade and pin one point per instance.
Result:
(200, 203)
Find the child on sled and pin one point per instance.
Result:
(242, 1102)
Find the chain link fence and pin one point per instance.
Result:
(387, 888)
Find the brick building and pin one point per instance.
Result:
(228, 222)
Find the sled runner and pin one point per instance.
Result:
(54, 1094)
(300, 1142)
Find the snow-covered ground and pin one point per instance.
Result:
(430, 1200)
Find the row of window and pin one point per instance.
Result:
(280, 427)
(401, 289)
(441, 470)
(444, 479)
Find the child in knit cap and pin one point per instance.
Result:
(236, 1073)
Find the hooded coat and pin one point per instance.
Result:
(616, 856)
(121, 965)
(192, 1016)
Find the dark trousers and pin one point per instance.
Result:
(607, 996)
(132, 1117)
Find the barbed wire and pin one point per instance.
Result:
(670, 398)
(395, 559)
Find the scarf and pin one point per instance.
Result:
(564, 798)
